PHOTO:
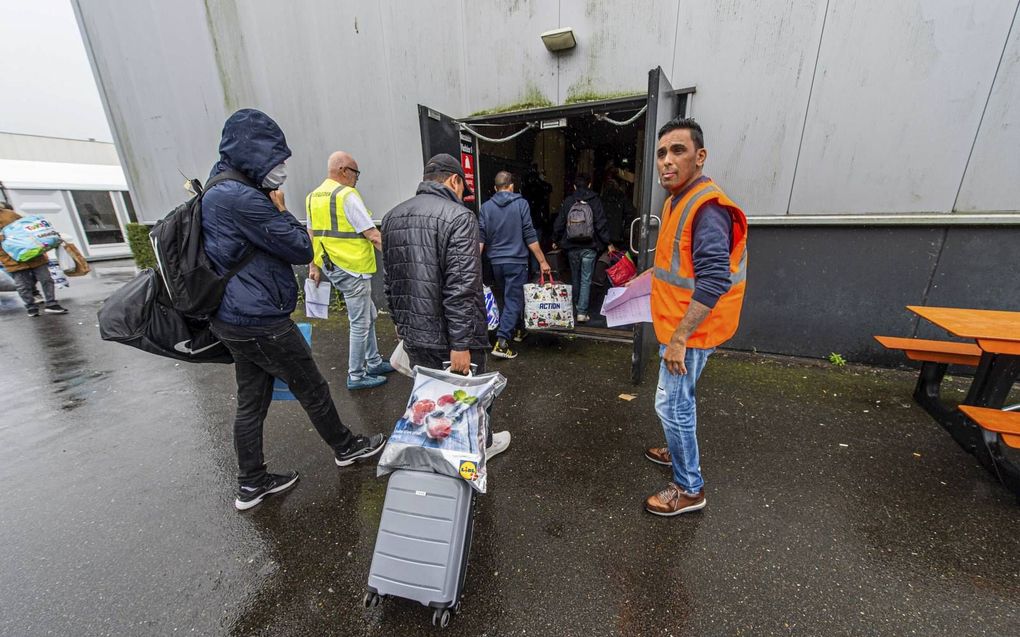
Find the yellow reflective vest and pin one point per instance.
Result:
(333, 234)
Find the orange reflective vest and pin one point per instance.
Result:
(673, 275)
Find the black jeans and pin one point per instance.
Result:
(434, 359)
(257, 361)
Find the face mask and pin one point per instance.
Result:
(275, 178)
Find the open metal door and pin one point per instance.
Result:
(442, 134)
(663, 105)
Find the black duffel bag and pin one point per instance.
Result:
(140, 315)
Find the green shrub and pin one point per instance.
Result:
(141, 249)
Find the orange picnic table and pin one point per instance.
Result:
(997, 333)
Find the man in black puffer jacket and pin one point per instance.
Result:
(253, 320)
(434, 276)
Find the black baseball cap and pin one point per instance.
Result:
(445, 163)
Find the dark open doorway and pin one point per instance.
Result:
(612, 141)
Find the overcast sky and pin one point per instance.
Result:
(47, 83)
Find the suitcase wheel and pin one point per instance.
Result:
(441, 617)
(371, 600)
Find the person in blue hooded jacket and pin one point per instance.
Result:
(507, 234)
(253, 320)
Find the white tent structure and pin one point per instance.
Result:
(88, 202)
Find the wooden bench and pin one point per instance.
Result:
(935, 358)
(927, 351)
(1004, 423)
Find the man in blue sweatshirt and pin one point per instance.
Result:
(507, 233)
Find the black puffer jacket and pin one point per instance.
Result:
(434, 271)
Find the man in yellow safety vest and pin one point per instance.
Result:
(344, 241)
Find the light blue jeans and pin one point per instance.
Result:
(582, 265)
(361, 310)
(678, 410)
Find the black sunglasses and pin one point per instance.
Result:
(353, 170)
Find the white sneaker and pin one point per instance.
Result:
(500, 442)
(583, 318)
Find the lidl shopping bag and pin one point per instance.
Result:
(548, 305)
(444, 427)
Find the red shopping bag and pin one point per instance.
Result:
(622, 271)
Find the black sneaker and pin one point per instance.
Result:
(54, 309)
(251, 495)
(519, 336)
(362, 447)
(33, 311)
(502, 350)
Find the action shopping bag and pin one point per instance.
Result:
(548, 305)
(444, 427)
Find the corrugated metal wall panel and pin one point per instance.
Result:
(992, 181)
(897, 97)
(752, 64)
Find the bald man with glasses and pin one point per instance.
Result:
(344, 241)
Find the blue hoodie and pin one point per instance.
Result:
(237, 218)
(505, 228)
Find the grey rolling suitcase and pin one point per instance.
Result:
(421, 551)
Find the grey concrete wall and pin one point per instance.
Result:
(810, 108)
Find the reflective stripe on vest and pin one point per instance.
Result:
(333, 231)
(347, 248)
(672, 276)
(673, 280)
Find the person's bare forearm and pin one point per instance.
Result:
(537, 251)
(373, 235)
(696, 313)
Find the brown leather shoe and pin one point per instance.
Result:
(673, 501)
(659, 455)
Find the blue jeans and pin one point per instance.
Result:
(364, 349)
(512, 277)
(678, 410)
(582, 265)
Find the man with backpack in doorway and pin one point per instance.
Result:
(582, 231)
(248, 232)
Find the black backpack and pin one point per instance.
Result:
(193, 286)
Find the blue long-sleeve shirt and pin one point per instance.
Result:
(711, 246)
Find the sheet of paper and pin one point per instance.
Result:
(636, 310)
(317, 299)
(641, 286)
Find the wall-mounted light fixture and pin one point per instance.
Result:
(559, 39)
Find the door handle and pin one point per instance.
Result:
(631, 238)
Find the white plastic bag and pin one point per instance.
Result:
(444, 427)
(400, 360)
(58, 276)
(317, 299)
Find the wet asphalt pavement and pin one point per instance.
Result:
(835, 505)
